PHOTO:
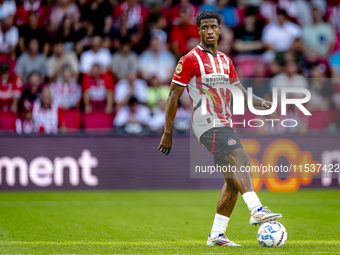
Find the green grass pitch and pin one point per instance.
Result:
(159, 222)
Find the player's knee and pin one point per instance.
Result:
(247, 160)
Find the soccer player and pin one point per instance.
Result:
(205, 69)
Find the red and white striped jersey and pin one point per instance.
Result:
(206, 75)
(66, 94)
(45, 120)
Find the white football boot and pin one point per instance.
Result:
(221, 240)
(263, 215)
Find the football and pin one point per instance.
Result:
(272, 234)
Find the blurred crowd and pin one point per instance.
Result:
(90, 65)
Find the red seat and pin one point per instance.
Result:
(320, 119)
(71, 119)
(7, 121)
(98, 120)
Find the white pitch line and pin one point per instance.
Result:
(308, 252)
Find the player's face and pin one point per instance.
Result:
(209, 31)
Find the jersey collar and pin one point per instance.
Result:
(206, 51)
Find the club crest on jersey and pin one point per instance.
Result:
(179, 68)
(226, 67)
(231, 141)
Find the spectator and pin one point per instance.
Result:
(191, 9)
(98, 90)
(296, 54)
(312, 59)
(226, 40)
(9, 36)
(96, 55)
(298, 50)
(248, 36)
(64, 8)
(181, 34)
(129, 87)
(32, 30)
(10, 90)
(28, 6)
(157, 92)
(74, 35)
(268, 11)
(59, 59)
(98, 12)
(321, 90)
(133, 117)
(125, 60)
(280, 36)
(45, 113)
(333, 17)
(7, 8)
(182, 122)
(30, 91)
(7, 59)
(320, 35)
(154, 62)
(227, 12)
(293, 9)
(25, 124)
(31, 61)
(158, 30)
(129, 17)
(289, 78)
(65, 90)
(157, 120)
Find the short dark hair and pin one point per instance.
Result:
(282, 12)
(208, 15)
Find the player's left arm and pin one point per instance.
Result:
(257, 101)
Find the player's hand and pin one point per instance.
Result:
(166, 144)
(267, 105)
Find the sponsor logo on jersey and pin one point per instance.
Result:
(179, 68)
(207, 65)
(231, 141)
(208, 120)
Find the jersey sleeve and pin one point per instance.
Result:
(232, 74)
(184, 71)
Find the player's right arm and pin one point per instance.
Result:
(171, 109)
(182, 76)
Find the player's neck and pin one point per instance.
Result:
(209, 47)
